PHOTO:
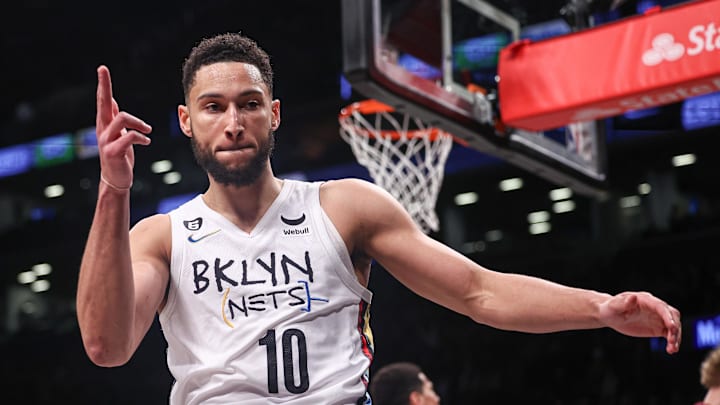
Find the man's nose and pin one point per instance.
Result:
(234, 122)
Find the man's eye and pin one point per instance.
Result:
(253, 104)
(212, 107)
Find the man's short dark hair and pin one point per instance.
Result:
(228, 47)
(393, 384)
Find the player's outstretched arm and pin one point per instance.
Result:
(506, 301)
(110, 318)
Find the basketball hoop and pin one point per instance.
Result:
(403, 154)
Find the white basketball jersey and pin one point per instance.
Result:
(267, 317)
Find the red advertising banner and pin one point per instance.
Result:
(639, 62)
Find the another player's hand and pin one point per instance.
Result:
(117, 132)
(641, 314)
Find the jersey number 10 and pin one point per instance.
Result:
(288, 364)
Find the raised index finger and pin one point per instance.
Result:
(104, 97)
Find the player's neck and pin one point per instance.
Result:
(245, 205)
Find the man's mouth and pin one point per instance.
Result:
(235, 148)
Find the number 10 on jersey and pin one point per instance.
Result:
(292, 340)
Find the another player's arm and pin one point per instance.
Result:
(506, 301)
(119, 292)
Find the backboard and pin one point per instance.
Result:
(437, 60)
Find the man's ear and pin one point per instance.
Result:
(184, 120)
(414, 398)
(275, 122)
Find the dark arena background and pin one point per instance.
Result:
(656, 231)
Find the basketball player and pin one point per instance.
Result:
(261, 283)
(402, 383)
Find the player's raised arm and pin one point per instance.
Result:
(110, 321)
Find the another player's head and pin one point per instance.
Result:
(710, 377)
(229, 47)
(402, 383)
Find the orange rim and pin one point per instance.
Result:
(372, 106)
(365, 107)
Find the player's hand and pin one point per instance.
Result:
(641, 314)
(117, 132)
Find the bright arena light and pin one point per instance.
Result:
(54, 191)
(560, 194)
(683, 160)
(540, 227)
(172, 178)
(40, 286)
(644, 188)
(563, 206)
(466, 198)
(511, 184)
(161, 166)
(42, 269)
(26, 277)
(538, 216)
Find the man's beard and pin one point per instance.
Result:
(238, 177)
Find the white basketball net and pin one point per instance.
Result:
(404, 156)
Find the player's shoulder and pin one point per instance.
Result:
(152, 235)
(157, 223)
(349, 187)
(357, 196)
